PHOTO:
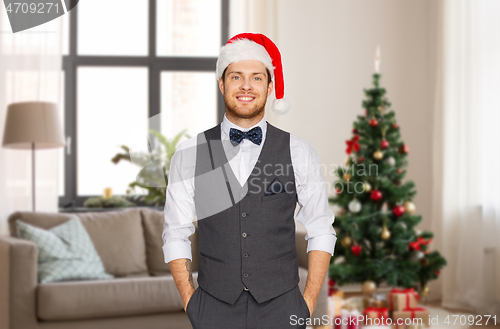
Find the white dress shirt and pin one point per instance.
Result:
(180, 212)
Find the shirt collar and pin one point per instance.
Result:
(226, 125)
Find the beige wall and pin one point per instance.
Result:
(328, 49)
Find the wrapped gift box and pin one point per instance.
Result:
(376, 316)
(378, 300)
(400, 299)
(411, 313)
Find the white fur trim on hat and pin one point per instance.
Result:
(243, 50)
(280, 106)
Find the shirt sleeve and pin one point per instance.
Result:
(179, 210)
(314, 212)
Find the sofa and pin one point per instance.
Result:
(142, 293)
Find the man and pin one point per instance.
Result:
(243, 179)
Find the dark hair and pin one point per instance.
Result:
(267, 70)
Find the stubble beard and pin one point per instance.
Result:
(233, 109)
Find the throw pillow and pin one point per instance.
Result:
(65, 252)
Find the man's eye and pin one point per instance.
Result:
(236, 78)
(258, 79)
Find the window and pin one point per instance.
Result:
(122, 69)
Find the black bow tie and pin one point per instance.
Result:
(254, 134)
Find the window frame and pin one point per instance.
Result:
(155, 65)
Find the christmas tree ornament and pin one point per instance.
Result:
(395, 126)
(347, 160)
(337, 190)
(368, 287)
(352, 145)
(385, 235)
(418, 254)
(382, 108)
(361, 159)
(373, 122)
(376, 195)
(356, 250)
(398, 210)
(331, 282)
(355, 206)
(400, 170)
(404, 149)
(367, 187)
(409, 207)
(347, 177)
(378, 155)
(354, 131)
(425, 291)
(384, 144)
(346, 241)
(256, 46)
(391, 161)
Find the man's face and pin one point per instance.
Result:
(245, 88)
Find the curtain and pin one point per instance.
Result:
(30, 70)
(466, 178)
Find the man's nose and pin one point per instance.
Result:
(246, 85)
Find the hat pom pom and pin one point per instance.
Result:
(280, 106)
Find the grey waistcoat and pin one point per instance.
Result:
(246, 239)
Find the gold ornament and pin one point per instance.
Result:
(368, 287)
(409, 207)
(378, 155)
(347, 160)
(367, 187)
(347, 177)
(346, 241)
(425, 291)
(341, 211)
(385, 233)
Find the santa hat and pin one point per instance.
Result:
(256, 46)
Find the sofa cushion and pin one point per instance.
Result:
(153, 228)
(108, 298)
(117, 236)
(65, 252)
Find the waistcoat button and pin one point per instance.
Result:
(245, 254)
(244, 214)
(245, 275)
(244, 235)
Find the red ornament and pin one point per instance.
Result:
(352, 144)
(331, 282)
(404, 149)
(356, 250)
(420, 241)
(384, 144)
(337, 190)
(400, 171)
(395, 126)
(373, 122)
(398, 210)
(376, 195)
(355, 131)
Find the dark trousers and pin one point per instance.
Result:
(288, 310)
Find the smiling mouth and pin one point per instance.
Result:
(245, 98)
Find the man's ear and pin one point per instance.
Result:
(270, 88)
(221, 85)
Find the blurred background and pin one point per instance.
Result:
(118, 68)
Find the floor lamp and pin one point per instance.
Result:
(33, 125)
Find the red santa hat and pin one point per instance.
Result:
(256, 46)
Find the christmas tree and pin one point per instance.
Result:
(376, 222)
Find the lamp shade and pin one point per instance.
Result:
(33, 122)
